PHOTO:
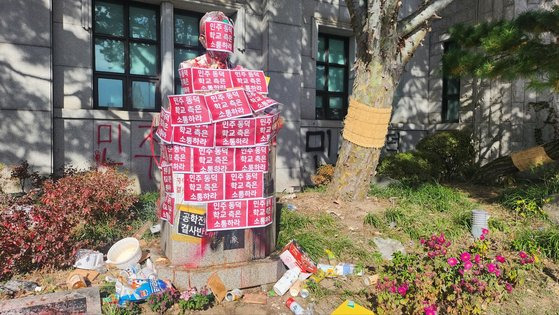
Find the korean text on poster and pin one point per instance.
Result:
(244, 185)
(196, 136)
(251, 159)
(250, 80)
(188, 109)
(227, 215)
(165, 130)
(203, 187)
(177, 156)
(260, 212)
(191, 223)
(167, 208)
(213, 160)
(228, 104)
(219, 36)
(236, 133)
(259, 102)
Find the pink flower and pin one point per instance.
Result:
(468, 265)
(522, 255)
(452, 261)
(393, 289)
(484, 231)
(491, 268)
(508, 287)
(498, 273)
(500, 258)
(430, 309)
(461, 272)
(422, 241)
(403, 289)
(482, 237)
(477, 259)
(441, 239)
(465, 256)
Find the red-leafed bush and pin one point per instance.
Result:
(40, 229)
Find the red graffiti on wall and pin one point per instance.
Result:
(105, 141)
(148, 137)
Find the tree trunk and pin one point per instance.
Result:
(504, 166)
(356, 165)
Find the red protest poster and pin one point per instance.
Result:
(251, 159)
(188, 109)
(179, 157)
(203, 79)
(167, 178)
(213, 160)
(203, 187)
(250, 80)
(259, 102)
(167, 208)
(260, 212)
(228, 104)
(164, 130)
(266, 128)
(235, 133)
(243, 185)
(219, 36)
(185, 75)
(226, 215)
(196, 136)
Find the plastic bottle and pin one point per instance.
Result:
(288, 279)
(295, 307)
(347, 269)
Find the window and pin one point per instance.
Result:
(451, 95)
(126, 56)
(187, 45)
(332, 70)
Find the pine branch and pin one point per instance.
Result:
(412, 43)
(422, 17)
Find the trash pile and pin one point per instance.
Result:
(302, 271)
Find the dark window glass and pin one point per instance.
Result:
(332, 71)
(126, 58)
(187, 45)
(451, 94)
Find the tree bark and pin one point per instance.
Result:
(504, 166)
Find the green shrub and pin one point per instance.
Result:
(410, 167)
(454, 151)
(444, 155)
(543, 241)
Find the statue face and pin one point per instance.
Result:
(217, 34)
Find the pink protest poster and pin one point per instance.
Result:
(227, 105)
(196, 136)
(266, 128)
(167, 208)
(259, 102)
(244, 185)
(226, 215)
(203, 187)
(210, 79)
(167, 178)
(213, 160)
(235, 133)
(251, 159)
(219, 36)
(185, 75)
(188, 109)
(260, 212)
(250, 80)
(165, 130)
(179, 157)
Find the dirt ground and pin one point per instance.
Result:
(539, 295)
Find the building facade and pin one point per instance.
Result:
(80, 80)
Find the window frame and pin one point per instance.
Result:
(201, 50)
(127, 78)
(446, 96)
(325, 94)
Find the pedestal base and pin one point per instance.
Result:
(238, 275)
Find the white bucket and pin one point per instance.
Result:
(124, 253)
(479, 222)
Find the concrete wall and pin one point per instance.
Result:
(26, 83)
(46, 91)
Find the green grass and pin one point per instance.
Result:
(419, 211)
(527, 199)
(545, 241)
(372, 220)
(315, 234)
